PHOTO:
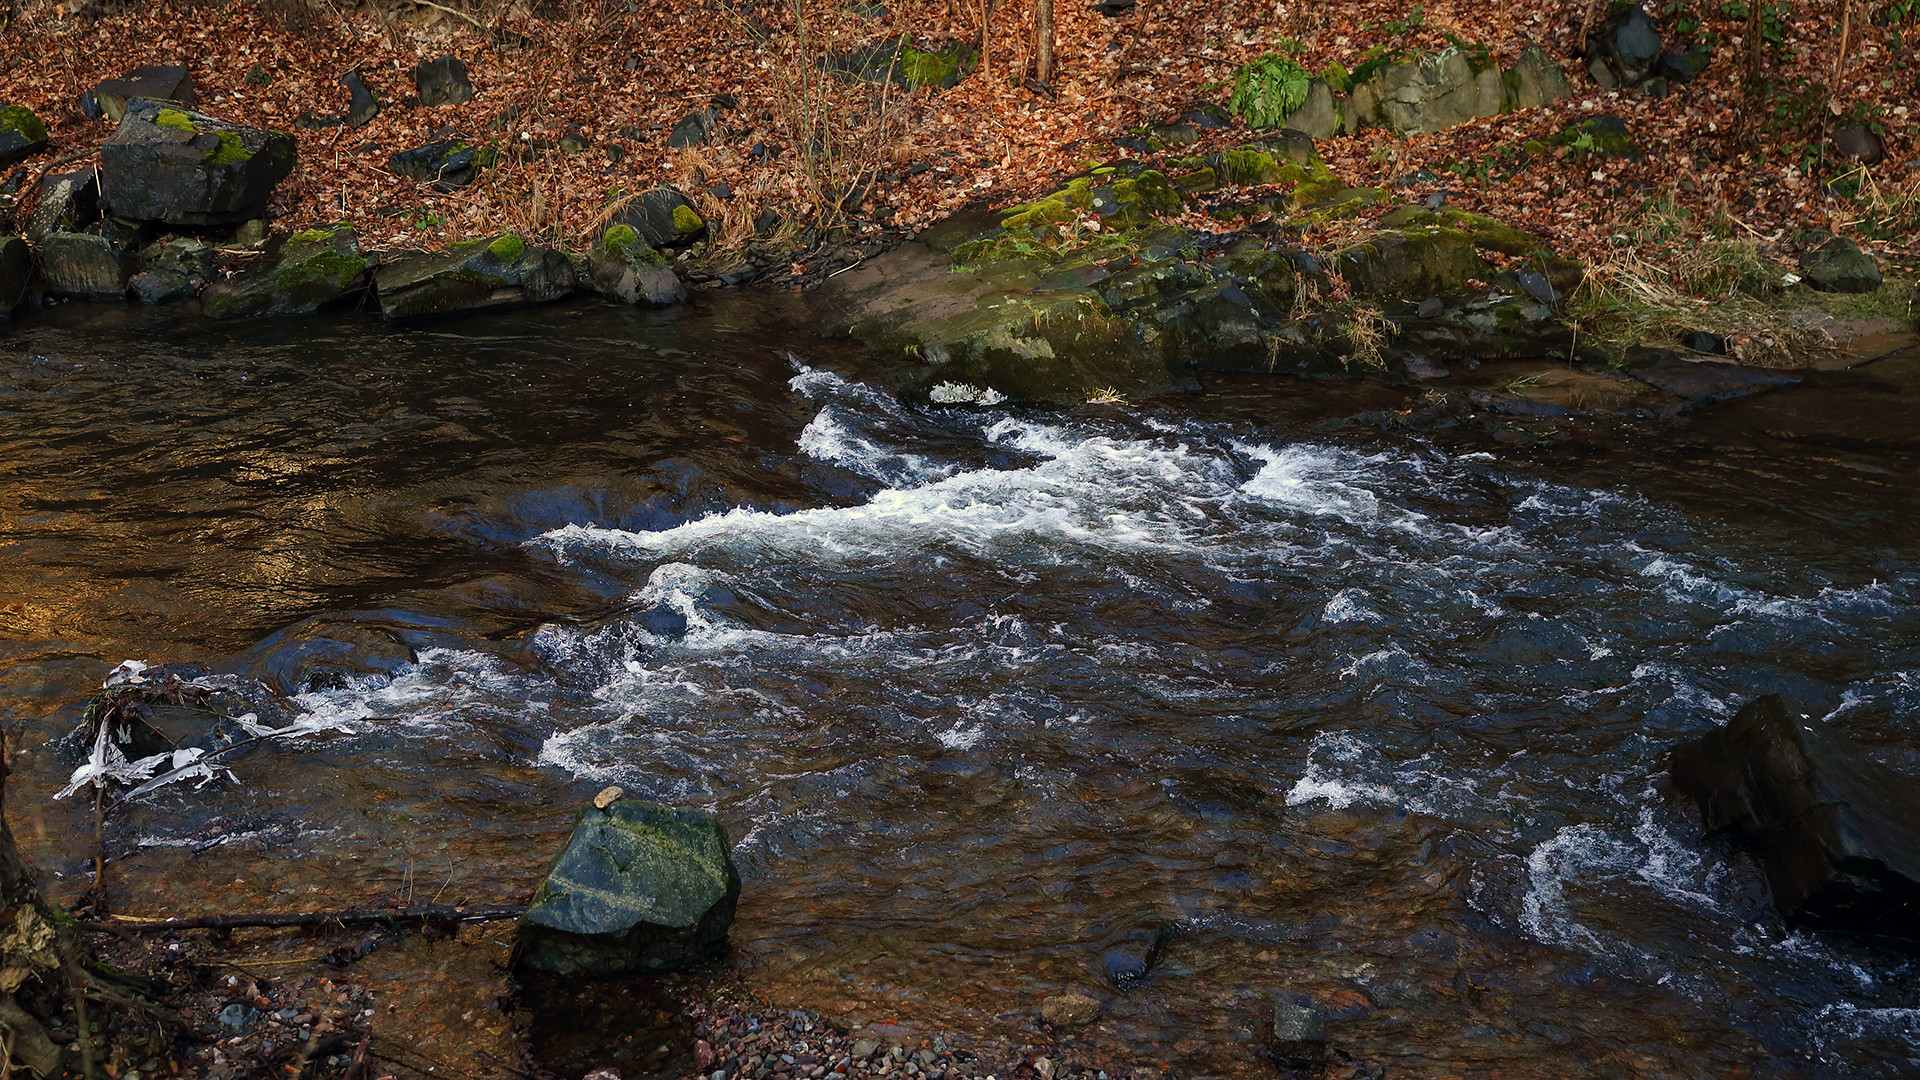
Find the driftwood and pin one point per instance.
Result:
(425, 913)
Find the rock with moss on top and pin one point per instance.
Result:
(168, 164)
(626, 268)
(313, 269)
(22, 134)
(662, 218)
(473, 275)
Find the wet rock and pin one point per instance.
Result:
(639, 887)
(85, 266)
(1299, 1036)
(479, 274)
(443, 82)
(1535, 80)
(1857, 142)
(1418, 262)
(22, 134)
(661, 217)
(185, 168)
(156, 82)
(1705, 381)
(172, 271)
(447, 165)
(1837, 833)
(313, 269)
(1070, 1009)
(626, 268)
(68, 201)
(1840, 266)
(16, 274)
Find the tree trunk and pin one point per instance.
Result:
(1043, 40)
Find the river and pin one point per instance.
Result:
(1187, 705)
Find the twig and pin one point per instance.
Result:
(424, 914)
(450, 11)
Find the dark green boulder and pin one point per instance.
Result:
(624, 267)
(315, 268)
(1840, 266)
(640, 887)
(503, 272)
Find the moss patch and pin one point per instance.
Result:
(231, 150)
(688, 220)
(936, 69)
(177, 120)
(22, 119)
(507, 248)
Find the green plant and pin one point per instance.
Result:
(1268, 89)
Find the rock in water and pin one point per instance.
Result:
(622, 266)
(155, 82)
(184, 168)
(640, 887)
(16, 272)
(85, 266)
(502, 272)
(1069, 1010)
(1299, 1035)
(316, 268)
(22, 134)
(1837, 833)
(1840, 266)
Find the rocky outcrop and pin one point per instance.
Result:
(185, 168)
(662, 218)
(313, 269)
(624, 267)
(16, 274)
(443, 82)
(1837, 833)
(156, 82)
(640, 887)
(85, 266)
(448, 164)
(479, 274)
(1840, 266)
(22, 134)
(1429, 91)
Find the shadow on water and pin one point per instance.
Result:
(1189, 707)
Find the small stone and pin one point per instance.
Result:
(1431, 307)
(865, 1049)
(1044, 1067)
(250, 232)
(1069, 1010)
(604, 800)
(1856, 142)
(1299, 1035)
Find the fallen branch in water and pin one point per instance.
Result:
(426, 913)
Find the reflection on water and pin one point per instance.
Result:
(1185, 708)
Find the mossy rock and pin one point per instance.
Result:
(472, 276)
(625, 268)
(314, 269)
(181, 167)
(22, 134)
(906, 64)
(640, 887)
(1487, 233)
(1600, 136)
(1412, 265)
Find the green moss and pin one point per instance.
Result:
(507, 248)
(619, 236)
(687, 220)
(928, 68)
(22, 119)
(1250, 167)
(230, 151)
(321, 235)
(462, 246)
(1338, 78)
(1491, 235)
(1144, 196)
(177, 120)
(1314, 191)
(324, 274)
(1202, 179)
(625, 243)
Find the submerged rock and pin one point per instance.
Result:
(1299, 1035)
(1069, 1010)
(1837, 833)
(185, 168)
(502, 272)
(640, 887)
(155, 82)
(315, 268)
(22, 134)
(624, 267)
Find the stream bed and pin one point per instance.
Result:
(1187, 706)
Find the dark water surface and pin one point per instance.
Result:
(994, 701)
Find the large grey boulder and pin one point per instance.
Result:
(1432, 92)
(1840, 266)
(1837, 832)
(171, 165)
(314, 268)
(640, 887)
(478, 274)
(1535, 80)
(1628, 51)
(1322, 115)
(22, 134)
(624, 267)
(155, 82)
(85, 266)
(16, 274)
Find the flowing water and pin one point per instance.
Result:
(1187, 706)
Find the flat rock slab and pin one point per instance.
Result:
(503, 272)
(640, 887)
(315, 268)
(1705, 381)
(1837, 833)
(171, 165)
(155, 82)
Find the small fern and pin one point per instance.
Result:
(1267, 89)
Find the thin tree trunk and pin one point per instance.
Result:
(1043, 40)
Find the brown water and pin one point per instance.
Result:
(1188, 707)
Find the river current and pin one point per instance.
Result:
(1189, 705)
